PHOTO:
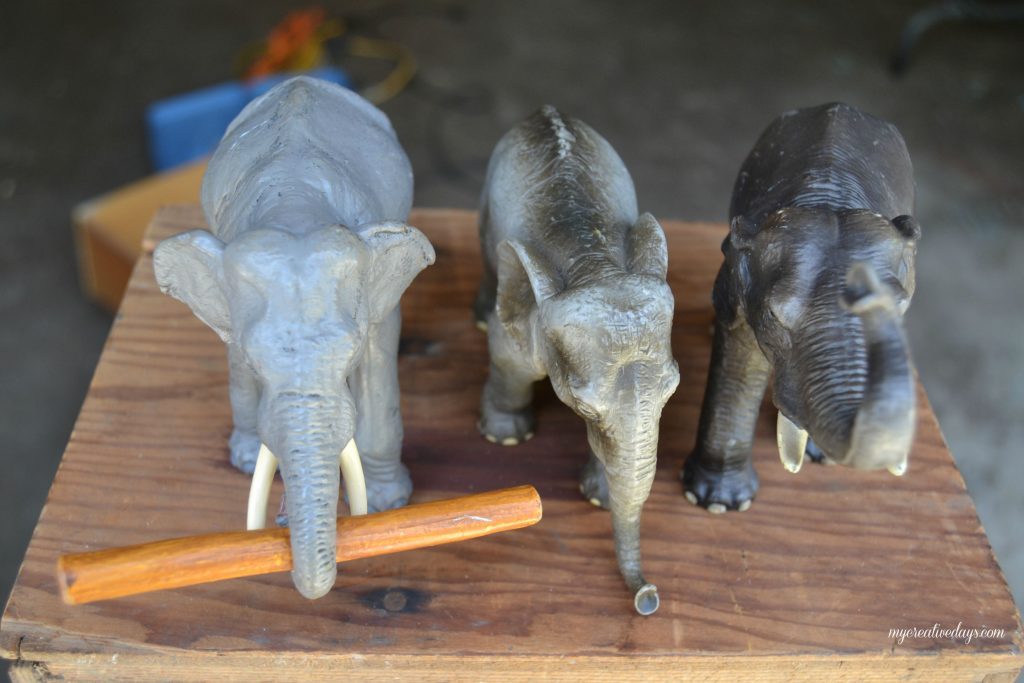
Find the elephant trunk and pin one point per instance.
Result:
(308, 449)
(630, 474)
(860, 396)
(883, 428)
(627, 499)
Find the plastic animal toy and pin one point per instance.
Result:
(301, 275)
(818, 271)
(574, 289)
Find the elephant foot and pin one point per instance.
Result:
(719, 491)
(245, 447)
(508, 429)
(594, 483)
(388, 493)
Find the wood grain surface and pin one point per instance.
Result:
(805, 585)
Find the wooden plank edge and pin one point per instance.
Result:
(11, 635)
(990, 667)
(925, 400)
(10, 644)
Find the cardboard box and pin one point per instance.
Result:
(108, 229)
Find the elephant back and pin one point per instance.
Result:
(833, 156)
(312, 142)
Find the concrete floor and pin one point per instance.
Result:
(681, 91)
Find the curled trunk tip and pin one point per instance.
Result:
(646, 600)
(625, 508)
(864, 292)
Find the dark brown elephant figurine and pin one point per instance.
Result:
(819, 269)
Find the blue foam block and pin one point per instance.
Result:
(184, 128)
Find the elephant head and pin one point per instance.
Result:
(824, 293)
(606, 343)
(298, 308)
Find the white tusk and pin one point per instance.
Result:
(352, 472)
(900, 469)
(259, 491)
(792, 443)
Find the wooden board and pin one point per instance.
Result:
(807, 584)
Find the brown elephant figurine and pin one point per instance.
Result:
(574, 289)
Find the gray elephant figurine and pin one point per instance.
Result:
(306, 198)
(574, 289)
(818, 271)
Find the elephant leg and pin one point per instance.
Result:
(594, 483)
(506, 408)
(374, 387)
(486, 296)
(816, 455)
(245, 397)
(719, 474)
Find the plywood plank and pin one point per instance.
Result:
(808, 583)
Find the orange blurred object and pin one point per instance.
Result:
(295, 44)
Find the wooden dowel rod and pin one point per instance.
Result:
(177, 562)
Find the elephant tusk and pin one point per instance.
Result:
(259, 491)
(352, 472)
(899, 469)
(792, 443)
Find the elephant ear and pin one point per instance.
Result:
(646, 250)
(908, 227)
(742, 232)
(525, 280)
(910, 230)
(190, 268)
(398, 253)
(734, 277)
